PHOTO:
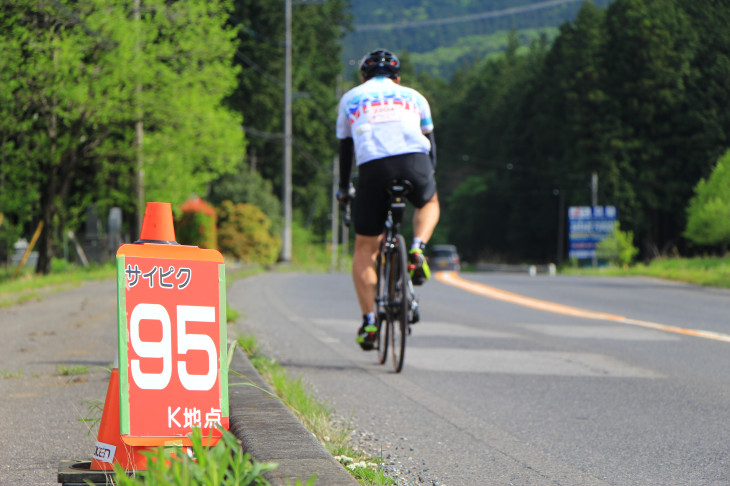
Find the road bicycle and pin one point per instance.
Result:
(396, 303)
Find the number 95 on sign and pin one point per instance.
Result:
(172, 373)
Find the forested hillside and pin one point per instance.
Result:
(441, 36)
(637, 93)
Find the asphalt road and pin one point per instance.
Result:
(493, 391)
(41, 408)
(508, 391)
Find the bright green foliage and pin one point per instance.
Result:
(197, 224)
(244, 232)
(190, 48)
(708, 214)
(224, 464)
(76, 76)
(618, 248)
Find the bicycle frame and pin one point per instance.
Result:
(391, 232)
(395, 302)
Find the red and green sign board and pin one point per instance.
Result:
(173, 368)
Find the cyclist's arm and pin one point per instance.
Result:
(432, 153)
(347, 151)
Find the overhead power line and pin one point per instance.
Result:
(464, 18)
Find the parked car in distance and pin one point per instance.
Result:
(444, 257)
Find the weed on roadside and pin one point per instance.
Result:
(94, 411)
(10, 374)
(224, 464)
(316, 417)
(72, 370)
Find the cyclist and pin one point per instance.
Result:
(388, 130)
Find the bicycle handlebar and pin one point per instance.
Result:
(347, 213)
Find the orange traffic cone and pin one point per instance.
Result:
(157, 225)
(110, 448)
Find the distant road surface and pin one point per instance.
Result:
(512, 379)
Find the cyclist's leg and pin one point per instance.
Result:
(363, 270)
(426, 218)
(417, 168)
(369, 216)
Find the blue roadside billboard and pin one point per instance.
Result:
(588, 225)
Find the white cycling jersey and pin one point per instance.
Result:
(384, 119)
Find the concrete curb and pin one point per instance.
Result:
(267, 430)
(270, 432)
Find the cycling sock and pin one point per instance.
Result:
(369, 317)
(418, 244)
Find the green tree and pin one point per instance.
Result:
(54, 92)
(706, 134)
(77, 75)
(648, 53)
(483, 139)
(188, 50)
(317, 30)
(708, 213)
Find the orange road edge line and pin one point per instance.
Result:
(453, 279)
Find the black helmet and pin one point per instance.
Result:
(379, 63)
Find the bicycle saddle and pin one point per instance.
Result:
(400, 187)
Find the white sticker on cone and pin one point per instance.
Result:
(105, 452)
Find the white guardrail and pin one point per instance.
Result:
(532, 270)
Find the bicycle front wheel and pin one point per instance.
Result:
(399, 300)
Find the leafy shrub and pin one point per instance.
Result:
(244, 232)
(618, 248)
(708, 214)
(196, 225)
(248, 186)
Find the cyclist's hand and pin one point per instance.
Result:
(345, 194)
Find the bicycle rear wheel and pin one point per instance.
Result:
(399, 300)
(379, 307)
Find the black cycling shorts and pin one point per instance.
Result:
(372, 199)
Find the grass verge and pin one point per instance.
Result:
(316, 416)
(29, 286)
(708, 271)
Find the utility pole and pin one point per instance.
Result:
(335, 212)
(594, 189)
(594, 203)
(138, 126)
(335, 203)
(561, 223)
(286, 183)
